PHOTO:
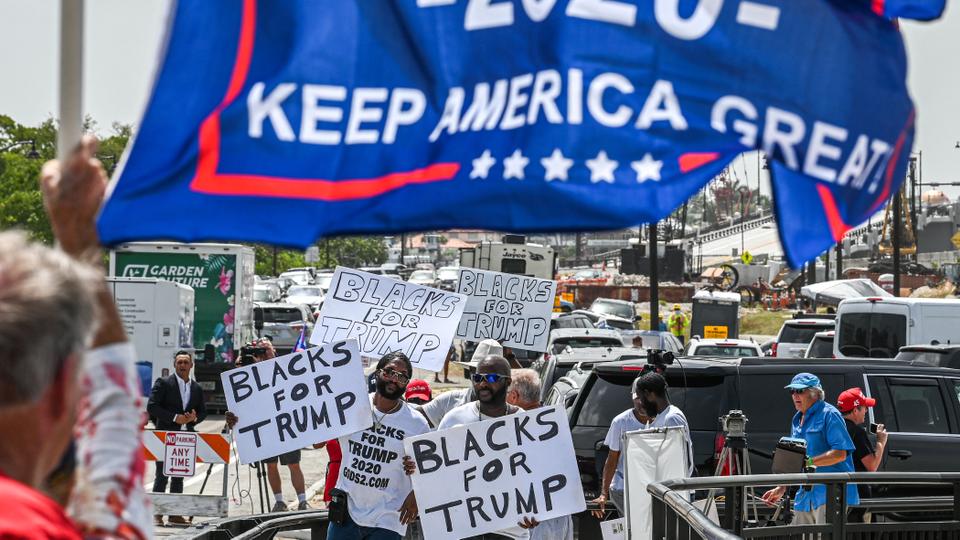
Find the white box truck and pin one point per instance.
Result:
(877, 327)
(157, 316)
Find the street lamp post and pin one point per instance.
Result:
(32, 154)
(744, 192)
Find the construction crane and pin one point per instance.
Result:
(908, 244)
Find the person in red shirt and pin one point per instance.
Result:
(60, 328)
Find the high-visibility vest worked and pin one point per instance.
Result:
(677, 323)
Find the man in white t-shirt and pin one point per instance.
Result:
(652, 389)
(447, 401)
(490, 384)
(611, 483)
(379, 495)
(524, 392)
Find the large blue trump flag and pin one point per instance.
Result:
(283, 121)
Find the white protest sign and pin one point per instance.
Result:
(387, 315)
(514, 310)
(296, 400)
(483, 477)
(180, 454)
(614, 529)
(649, 455)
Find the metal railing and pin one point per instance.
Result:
(257, 527)
(675, 517)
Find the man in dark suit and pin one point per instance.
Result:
(176, 404)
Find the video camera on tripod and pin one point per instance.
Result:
(734, 424)
(657, 361)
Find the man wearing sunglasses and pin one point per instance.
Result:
(379, 500)
(490, 384)
(829, 449)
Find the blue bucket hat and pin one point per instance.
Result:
(804, 380)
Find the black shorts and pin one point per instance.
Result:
(289, 458)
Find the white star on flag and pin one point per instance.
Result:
(601, 168)
(513, 166)
(482, 165)
(647, 168)
(556, 166)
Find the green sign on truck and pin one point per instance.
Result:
(221, 276)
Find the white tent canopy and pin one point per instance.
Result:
(832, 292)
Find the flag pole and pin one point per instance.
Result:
(71, 76)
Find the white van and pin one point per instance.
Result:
(877, 327)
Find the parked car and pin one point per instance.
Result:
(947, 356)
(425, 266)
(298, 277)
(919, 406)
(323, 280)
(577, 338)
(282, 324)
(564, 391)
(448, 276)
(589, 273)
(796, 334)
(878, 327)
(611, 309)
(374, 270)
(735, 348)
(396, 269)
(654, 339)
(427, 278)
(821, 346)
(552, 367)
(310, 295)
(266, 291)
(570, 320)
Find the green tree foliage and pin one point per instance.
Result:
(23, 150)
(352, 251)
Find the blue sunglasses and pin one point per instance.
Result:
(491, 378)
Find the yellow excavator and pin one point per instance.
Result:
(908, 239)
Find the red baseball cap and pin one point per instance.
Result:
(853, 398)
(418, 388)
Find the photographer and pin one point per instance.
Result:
(853, 405)
(261, 350)
(829, 449)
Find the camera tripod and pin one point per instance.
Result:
(735, 458)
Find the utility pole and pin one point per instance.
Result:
(654, 278)
(577, 253)
(897, 218)
(839, 250)
(403, 247)
(275, 261)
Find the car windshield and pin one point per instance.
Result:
(447, 273)
(262, 295)
(304, 291)
(795, 333)
(821, 347)
(722, 350)
(624, 311)
(871, 335)
(585, 274)
(300, 278)
(323, 281)
(571, 322)
(282, 315)
(581, 342)
(421, 274)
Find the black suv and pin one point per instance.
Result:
(551, 367)
(919, 406)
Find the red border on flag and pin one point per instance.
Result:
(208, 180)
